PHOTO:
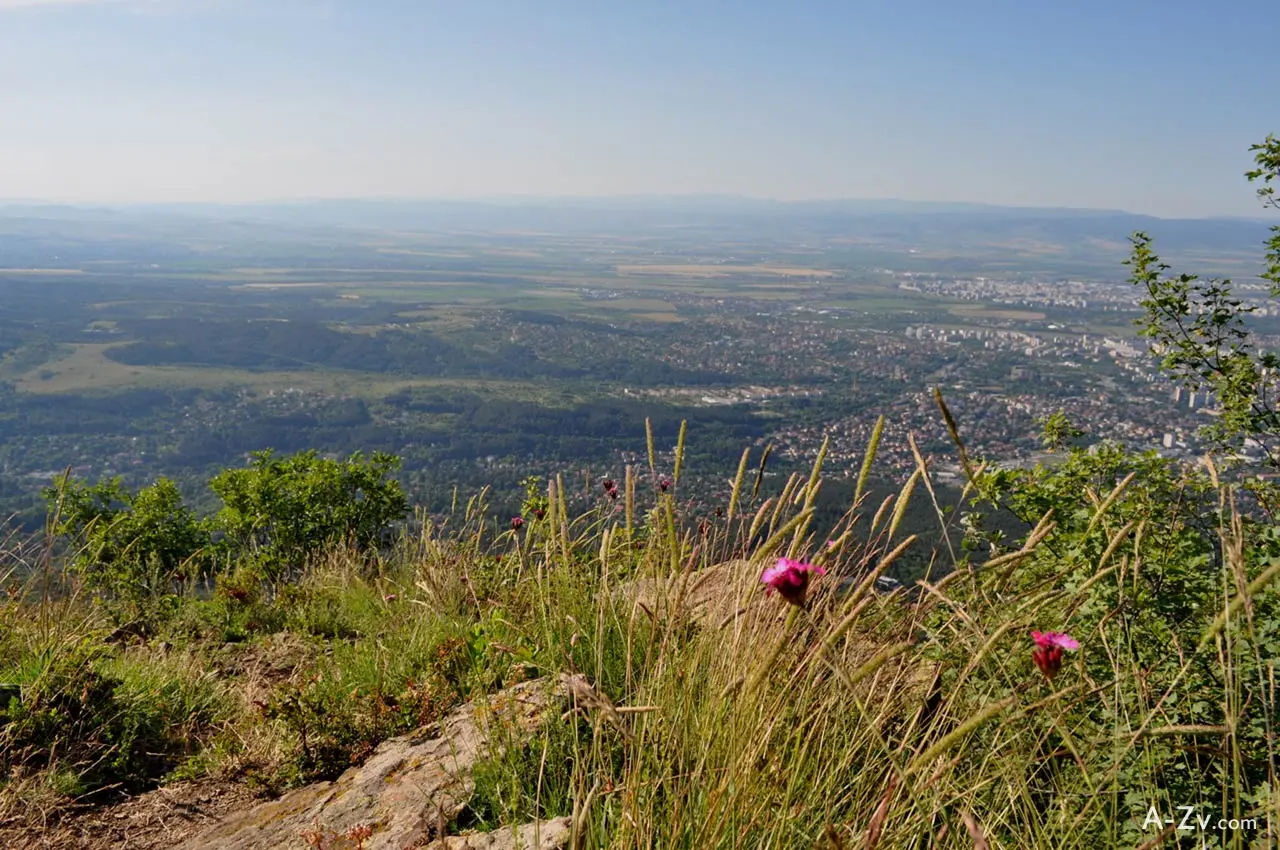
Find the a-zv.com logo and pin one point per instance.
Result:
(1191, 819)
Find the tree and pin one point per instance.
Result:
(1058, 431)
(131, 545)
(289, 509)
(1198, 328)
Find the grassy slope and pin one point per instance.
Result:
(861, 721)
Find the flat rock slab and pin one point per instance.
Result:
(546, 835)
(406, 792)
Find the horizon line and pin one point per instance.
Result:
(518, 198)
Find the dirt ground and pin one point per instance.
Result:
(157, 820)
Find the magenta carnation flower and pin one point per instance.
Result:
(791, 579)
(1044, 640)
(1048, 652)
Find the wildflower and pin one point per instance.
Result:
(390, 597)
(517, 522)
(664, 485)
(791, 579)
(610, 489)
(1044, 640)
(539, 513)
(1048, 652)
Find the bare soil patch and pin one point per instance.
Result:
(156, 820)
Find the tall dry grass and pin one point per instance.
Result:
(909, 719)
(707, 714)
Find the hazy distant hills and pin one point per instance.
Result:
(644, 212)
(924, 235)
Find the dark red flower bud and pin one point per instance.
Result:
(1048, 659)
(1048, 652)
(517, 523)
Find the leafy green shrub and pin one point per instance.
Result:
(134, 546)
(289, 510)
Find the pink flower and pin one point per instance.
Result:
(664, 485)
(1044, 640)
(517, 522)
(791, 579)
(1048, 652)
(390, 597)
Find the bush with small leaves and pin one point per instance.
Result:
(288, 510)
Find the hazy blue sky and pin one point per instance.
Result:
(1147, 105)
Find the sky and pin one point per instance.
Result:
(1143, 105)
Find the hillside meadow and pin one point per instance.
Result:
(745, 682)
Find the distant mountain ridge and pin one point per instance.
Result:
(351, 208)
(976, 236)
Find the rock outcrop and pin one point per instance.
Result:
(405, 793)
(547, 835)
